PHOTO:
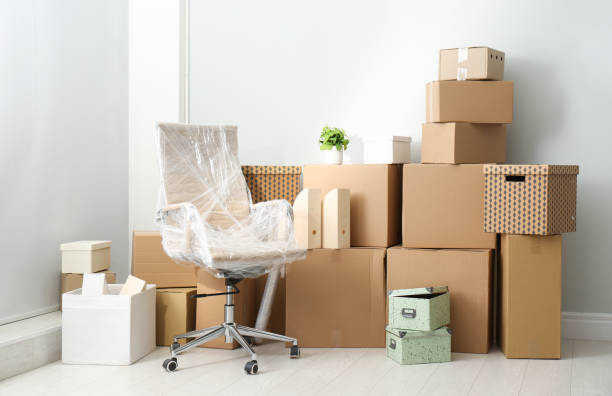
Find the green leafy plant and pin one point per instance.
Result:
(333, 137)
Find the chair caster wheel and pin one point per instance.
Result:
(170, 364)
(174, 345)
(251, 367)
(295, 352)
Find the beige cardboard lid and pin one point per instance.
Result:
(491, 169)
(387, 138)
(85, 245)
(442, 331)
(418, 291)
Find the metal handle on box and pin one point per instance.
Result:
(392, 343)
(409, 313)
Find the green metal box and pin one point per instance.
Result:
(426, 308)
(414, 347)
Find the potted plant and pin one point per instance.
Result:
(333, 141)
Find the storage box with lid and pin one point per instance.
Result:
(414, 347)
(269, 182)
(386, 149)
(425, 308)
(471, 63)
(85, 256)
(108, 329)
(530, 199)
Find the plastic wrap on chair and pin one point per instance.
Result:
(205, 210)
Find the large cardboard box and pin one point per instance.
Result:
(530, 199)
(469, 101)
(463, 143)
(468, 276)
(530, 296)
(175, 313)
(269, 182)
(337, 298)
(210, 311)
(443, 207)
(375, 199)
(471, 63)
(72, 282)
(151, 263)
(108, 329)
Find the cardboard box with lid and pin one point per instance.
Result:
(471, 63)
(375, 199)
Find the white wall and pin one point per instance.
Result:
(63, 145)
(281, 70)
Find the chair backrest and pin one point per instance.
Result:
(199, 164)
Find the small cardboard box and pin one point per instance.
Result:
(386, 149)
(337, 298)
(443, 207)
(109, 329)
(415, 347)
(151, 263)
(269, 182)
(376, 195)
(175, 313)
(210, 311)
(425, 308)
(72, 282)
(530, 199)
(530, 296)
(463, 143)
(488, 102)
(468, 276)
(85, 256)
(471, 63)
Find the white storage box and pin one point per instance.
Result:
(386, 149)
(109, 329)
(85, 256)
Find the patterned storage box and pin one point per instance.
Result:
(413, 347)
(530, 199)
(268, 182)
(425, 308)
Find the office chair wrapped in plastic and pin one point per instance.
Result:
(207, 218)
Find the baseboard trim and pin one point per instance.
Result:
(31, 314)
(586, 326)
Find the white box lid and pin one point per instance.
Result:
(85, 245)
(387, 138)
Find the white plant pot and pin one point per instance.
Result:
(333, 157)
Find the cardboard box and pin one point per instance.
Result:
(471, 63)
(175, 313)
(487, 102)
(375, 199)
(463, 143)
(109, 329)
(269, 182)
(443, 207)
(72, 282)
(85, 256)
(210, 311)
(150, 262)
(468, 276)
(388, 149)
(530, 296)
(415, 347)
(337, 298)
(530, 199)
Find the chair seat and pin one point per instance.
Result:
(255, 257)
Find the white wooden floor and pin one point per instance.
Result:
(586, 369)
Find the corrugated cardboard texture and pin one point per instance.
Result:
(72, 282)
(530, 296)
(150, 262)
(175, 314)
(375, 199)
(443, 207)
(468, 276)
(336, 298)
(463, 143)
(210, 311)
(530, 199)
(472, 63)
(469, 101)
(269, 182)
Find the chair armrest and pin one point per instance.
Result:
(180, 213)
